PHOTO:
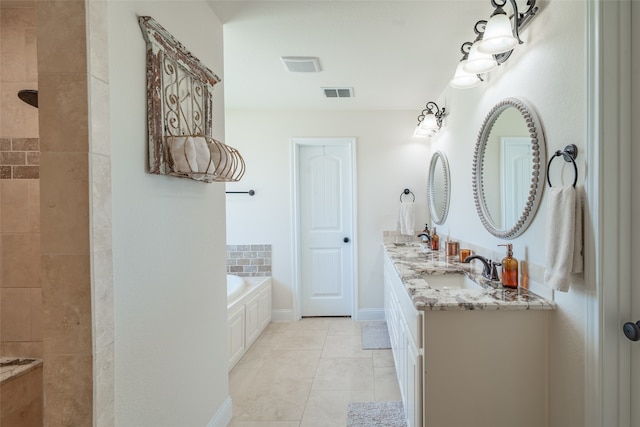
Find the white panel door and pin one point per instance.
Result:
(514, 177)
(325, 197)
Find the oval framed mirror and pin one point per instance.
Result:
(439, 187)
(507, 166)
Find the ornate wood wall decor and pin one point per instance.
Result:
(179, 104)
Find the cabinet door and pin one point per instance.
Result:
(264, 308)
(236, 336)
(401, 362)
(252, 323)
(413, 403)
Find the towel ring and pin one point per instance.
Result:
(407, 191)
(569, 154)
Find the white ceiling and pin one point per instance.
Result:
(397, 55)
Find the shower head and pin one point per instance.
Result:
(29, 96)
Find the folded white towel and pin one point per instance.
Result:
(190, 154)
(406, 217)
(561, 236)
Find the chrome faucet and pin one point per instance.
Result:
(489, 268)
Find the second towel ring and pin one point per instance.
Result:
(407, 191)
(569, 154)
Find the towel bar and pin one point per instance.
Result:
(250, 192)
(569, 154)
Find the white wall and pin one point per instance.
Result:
(548, 73)
(169, 241)
(389, 160)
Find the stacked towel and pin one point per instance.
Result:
(406, 217)
(564, 237)
(191, 154)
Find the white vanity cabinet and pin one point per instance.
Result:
(404, 323)
(467, 365)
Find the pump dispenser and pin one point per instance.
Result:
(509, 269)
(435, 241)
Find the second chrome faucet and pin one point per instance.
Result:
(489, 268)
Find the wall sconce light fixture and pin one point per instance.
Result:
(429, 120)
(494, 43)
(463, 79)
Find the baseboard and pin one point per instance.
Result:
(282, 315)
(222, 418)
(370, 314)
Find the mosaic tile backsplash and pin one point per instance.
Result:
(19, 158)
(249, 260)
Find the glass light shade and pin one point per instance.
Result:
(421, 133)
(478, 62)
(429, 123)
(462, 79)
(498, 35)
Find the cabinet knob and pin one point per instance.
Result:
(346, 240)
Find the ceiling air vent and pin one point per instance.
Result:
(301, 64)
(338, 92)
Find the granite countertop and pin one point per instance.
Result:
(11, 367)
(414, 265)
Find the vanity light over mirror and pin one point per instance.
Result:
(439, 188)
(507, 163)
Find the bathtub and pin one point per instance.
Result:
(235, 287)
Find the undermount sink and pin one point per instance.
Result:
(450, 281)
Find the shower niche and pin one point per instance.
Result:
(179, 113)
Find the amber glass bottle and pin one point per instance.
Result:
(435, 241)
(509, 269)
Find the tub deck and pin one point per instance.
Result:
(11, 367)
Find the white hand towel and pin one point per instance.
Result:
(578, 262)
(406, 217)
(561, 235)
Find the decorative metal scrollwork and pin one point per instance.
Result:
(179, 112)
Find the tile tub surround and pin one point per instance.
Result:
(249, 260)
(412, 265)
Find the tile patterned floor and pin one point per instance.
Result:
(304, 374)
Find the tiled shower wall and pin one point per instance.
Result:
(21, 312)
(19, 158)
(249, 260)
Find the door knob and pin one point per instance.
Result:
(632, 330)
(346, 240)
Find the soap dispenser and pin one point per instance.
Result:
(509, 269)
(435, 241)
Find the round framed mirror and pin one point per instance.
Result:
(507, 162)
(439, 187)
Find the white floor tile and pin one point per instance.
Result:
(304, 374)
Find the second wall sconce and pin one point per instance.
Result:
(494, 43)
(430, 120)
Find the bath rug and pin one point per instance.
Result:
(375, 335)
(376, 414)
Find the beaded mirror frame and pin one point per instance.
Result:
(536, 186)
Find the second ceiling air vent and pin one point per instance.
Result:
(338, 92)
(301, 64)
